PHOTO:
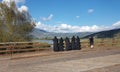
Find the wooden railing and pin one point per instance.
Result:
(19, 47)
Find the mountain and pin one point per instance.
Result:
(80, 34)
(38, 33)
(42, 34)
(106, 34)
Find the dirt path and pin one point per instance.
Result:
(86, 60)
(113, 68)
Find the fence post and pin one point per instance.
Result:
(12, 49)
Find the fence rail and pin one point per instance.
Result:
(17, 47)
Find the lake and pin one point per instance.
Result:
(44, 41)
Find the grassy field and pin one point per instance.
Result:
(101, 42)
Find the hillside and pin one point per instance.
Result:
(106, 34)
(38, 33)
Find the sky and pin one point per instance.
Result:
(73, 15)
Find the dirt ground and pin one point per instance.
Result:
(103, 59)
(113, 68)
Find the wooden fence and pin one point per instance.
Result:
(19, 47)
(12, 48)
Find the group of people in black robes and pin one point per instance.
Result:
(58, 45)
(70, 44)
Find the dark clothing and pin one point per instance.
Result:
(78, 44)
(68, 44)
(91, 41)
(55, 44)
(61, 45)
(73, 43)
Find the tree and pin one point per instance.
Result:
(14, 25)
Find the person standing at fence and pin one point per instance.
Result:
(55, 44)
(91, 40)
(73, 43)
(68, 44)
(61, 44)
(78, 44)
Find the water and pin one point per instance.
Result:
(44, 41)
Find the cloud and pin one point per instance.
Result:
(90, 10)
(48, 18)
(117, 24)
(23, 8)
(77, 16)
(66, 28)
(46, 27)
(20, 8)
(20, 1)
(16, 1)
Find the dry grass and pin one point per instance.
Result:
(106, 42)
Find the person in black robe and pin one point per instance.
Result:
(78, 44)
(73, 43)
(55, 44)
(61, 44)
(68, 44)
(91, 40)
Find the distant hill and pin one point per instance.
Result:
(106, 34)
(80, 34)
(38, 33)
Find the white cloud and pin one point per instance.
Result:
(20, 1)
(45, 27)
(23, 8)
(68, 28)
(39, 25)
(16, 1)
(48, 18)
(65, 28)
(77, 16)
(90, 10)
(117, 24)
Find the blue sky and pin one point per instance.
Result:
(73, 15)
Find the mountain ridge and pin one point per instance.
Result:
(106, 34)
(39, 33)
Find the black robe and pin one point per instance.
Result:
(55, 44)
(68, 44)
(78, 44)
(73, 43)
(61, 44)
